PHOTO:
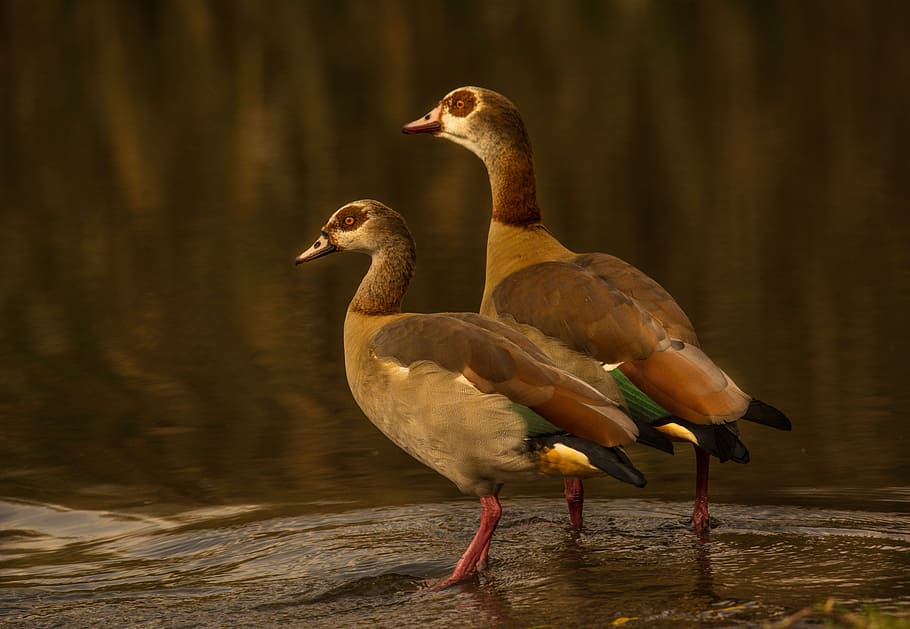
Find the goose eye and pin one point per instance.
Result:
(461, 104)
(349, 220)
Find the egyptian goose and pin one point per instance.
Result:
(593, 314)
(465, 395)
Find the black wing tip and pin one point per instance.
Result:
(728, 445)
(741, 459)
(619, 466)
(648, 435)
(740, 453)
(766, 415)
(611, 461)
(718, 440)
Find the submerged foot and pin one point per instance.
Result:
(575, 500)
(702, 523)
(435, 586)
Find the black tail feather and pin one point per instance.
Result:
(740, 453)
(719, 440)
(767, 415)
(612, 461)
(648, 435)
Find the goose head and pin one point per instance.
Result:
(366, 226)
(483, 121)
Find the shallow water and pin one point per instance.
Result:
(178, 446)
(264, 565)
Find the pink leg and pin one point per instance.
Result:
(701, 521)
(490, 512)
(575, 498)
(484, 556)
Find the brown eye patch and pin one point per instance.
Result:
(461, 103)
(350, 218)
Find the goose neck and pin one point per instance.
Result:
(383, 287)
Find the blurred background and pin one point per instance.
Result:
(178, 445)
(162, 163)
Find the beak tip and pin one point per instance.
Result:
(320, 248)
(417, 127)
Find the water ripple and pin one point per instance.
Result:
(637, 555)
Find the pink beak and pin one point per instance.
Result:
(428, 124)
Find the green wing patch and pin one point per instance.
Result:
(536, 424)
(641, 406)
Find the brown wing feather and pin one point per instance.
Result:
(567, 302)
(495, 364)
(600, 306)
(647, 293)
(681, 379)
(503, 330)
(688, 384)
(587, 421)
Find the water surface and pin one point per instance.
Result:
(361, 567)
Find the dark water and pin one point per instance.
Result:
(256, 565)
(177, 442)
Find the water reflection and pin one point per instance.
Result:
(154, 331)
(280, 562)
